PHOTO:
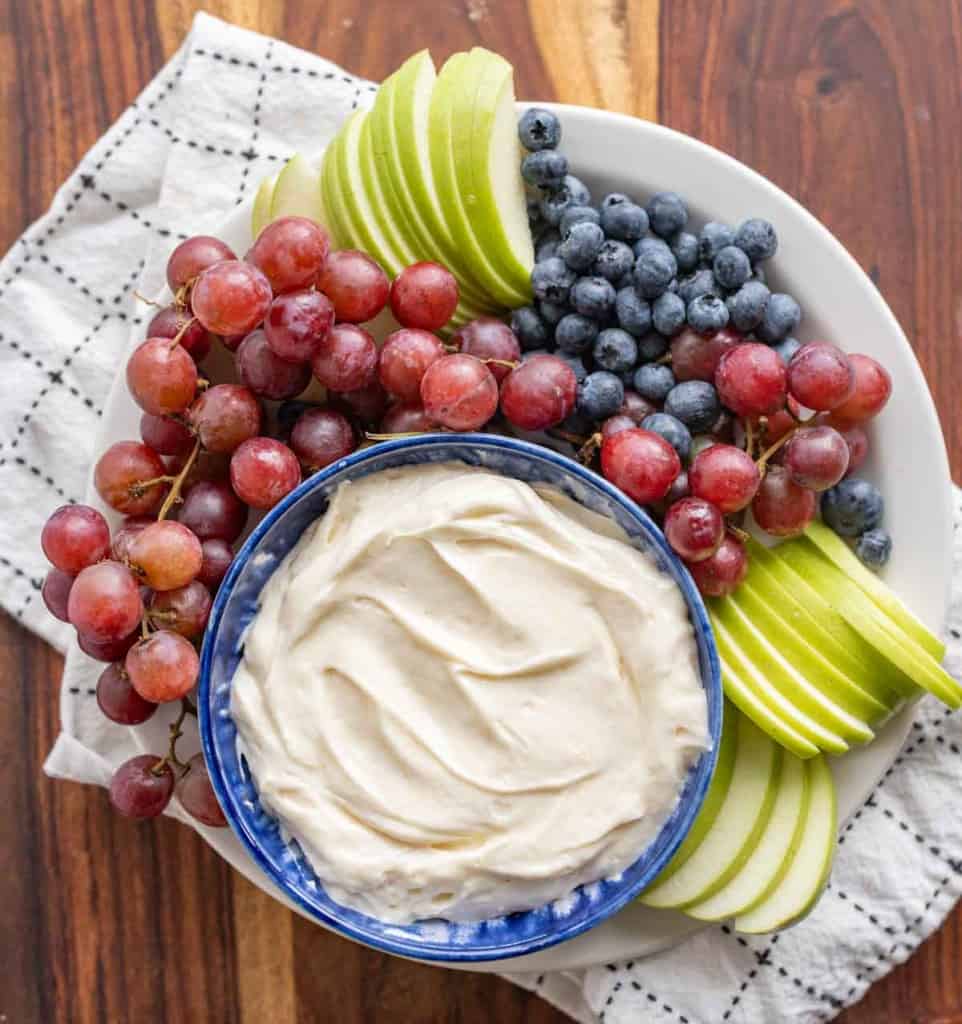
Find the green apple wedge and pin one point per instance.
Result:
(296, 192)
(441, 141)
(341, 232)
(800, 886)
(800, 604)
(769, 861)
(487, 158)
(737, 828)
(261, 214)
(781, 709)
(823, 673)
(788, 679)
(871, 623)
(837, 551)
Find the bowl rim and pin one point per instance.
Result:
(701, 771)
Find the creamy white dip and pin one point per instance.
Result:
(465, 696)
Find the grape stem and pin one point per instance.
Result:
(741, 534)
(750, 436)
(390, 437)
(145, 300)
(587, 451)
(140, 487)
(175, 341)
(510, 363)
(178, 482)
(762, 460)
(176, 731)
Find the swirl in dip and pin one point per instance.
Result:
(466, 696)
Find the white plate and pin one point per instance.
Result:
(840, 304)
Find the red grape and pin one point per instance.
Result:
(694, 528)
(617, 423)
(406, 418)
(107, 650)
(320, 437)
(460, 392)
(636, 407)
(161, 377)
(139, 789)
(405, 357)
(163, 666)
(217, 559)
(122, 476)
(105, 602)
(489, 339)
(194, 255)
(724, 475)
(366, 405)
(356, 285)
(424, 295)
(196, 794)
(695, 357)
(74, 537)
(166, 435)
(231, 297)
(183, 610)
(291, 252)
(778, 425)
(873, 386)
(816, 457)
(263, 470)
(640, 463)
(855, 438)
(118, 700)
(781, 507)
(56, 593)
(224, 416)
(751, 380)
(297, 324)
(171, 321)
(820, 376)
(539, 393)
(166, 555)
(265, 373)
(346, 359)
(722, 572)
(211, 509)
(232, 341)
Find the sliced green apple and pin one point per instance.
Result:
(296, 192)
(261, 214)
(341, 233)
(802, 882)
(837, 551)
(738, 826)
(770, 859)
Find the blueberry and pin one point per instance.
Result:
(626, 222)
(713, 238)
(731, 268)
(531, 330)
(600, 395)
(874, 548)
(575, 333)
(651, 347)
(582, 244)
(702, 282)
(551, 312)
(539, 129)
(707, 314)
(614, 199)
(655, 267)
(576, 364)
(747, 306)
(684, 247)
(592, 297)
(672, 430)
(615, 260)
(615, 350)
(852, 507)
(571, 192)
(787, 348)
(552, 279)
(534, 213)
(758, 273)
(632, 311)
(695, 403)
(667, 213)
(782, 316)
(547, 246)
(575, 215)
(668, 314)
(654, 381)
(546, 168)
(578, 190)
(757, 239)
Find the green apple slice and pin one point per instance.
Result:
(870, 622)
(788, 679)
(458, 218)
(800, 886)
(821, 672)
(837, 551)
(261, 214)
(770, 859)
(296, 192)
(341, 234)
(780, 707)
(737, 828)
(800, 604)
(487, 158)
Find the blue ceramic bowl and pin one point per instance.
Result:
(281, 858)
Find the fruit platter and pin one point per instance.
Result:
(457, 272)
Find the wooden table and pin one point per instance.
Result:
(854, 107)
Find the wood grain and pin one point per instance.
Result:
(854, 107)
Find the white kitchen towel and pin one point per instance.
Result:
(227, 110)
